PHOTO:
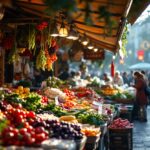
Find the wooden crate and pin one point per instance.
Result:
(120, 139)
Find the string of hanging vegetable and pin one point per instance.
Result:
(13, 55)
(124, 40)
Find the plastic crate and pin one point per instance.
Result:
(120, 139)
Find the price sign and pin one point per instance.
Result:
(91, 55)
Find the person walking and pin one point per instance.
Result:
(147, 84)
(141, 100)
(125, 78)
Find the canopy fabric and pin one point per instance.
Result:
(30, 11)
(27, 11)
(140, 66)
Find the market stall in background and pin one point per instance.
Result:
(42, 107)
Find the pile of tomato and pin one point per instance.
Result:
(69, 104)
(83, 92)
(19, 130)
(26, 135)
(44, 99)
(70, 94)
(120, 123)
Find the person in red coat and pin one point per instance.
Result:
(141, 100)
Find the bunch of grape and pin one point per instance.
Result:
(61, 130)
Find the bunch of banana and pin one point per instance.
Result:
(69, 118)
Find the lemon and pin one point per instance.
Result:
(26, 90)
(20, 88)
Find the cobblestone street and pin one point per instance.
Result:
(141, 134)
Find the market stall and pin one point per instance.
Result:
(72, 114)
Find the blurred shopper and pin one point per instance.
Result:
(118, 80)
(125, 78)
(65, 74)
(78, 75)
(106, 77)
(131, 78)
(147, 85)
(148, 75)
(140, 105)
(72, 74)
(145, 77)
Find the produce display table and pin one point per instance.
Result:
(66, 114)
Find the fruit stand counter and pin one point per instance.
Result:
(117, 94)
(38, 118)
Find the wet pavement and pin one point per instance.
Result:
(141, 134)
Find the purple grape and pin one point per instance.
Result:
(65, 124)
(47, 126)
(64, 136)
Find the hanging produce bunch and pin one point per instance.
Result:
(31, 38)
(13, 55)
(38, 43)
(48, 48)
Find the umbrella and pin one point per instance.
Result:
(141, 66)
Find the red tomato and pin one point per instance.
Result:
(30, 128)
(31, 121)
(39, 130)
(15, 131)
(31, 114)
(40, 137)
(26, 136)
(26, 125)
(23, 131)
(30, 141)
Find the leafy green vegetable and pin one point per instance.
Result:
(125, 95)
(32, 102)
(57, 110)
(54, 82)
(98, 91)
(12, 98)
(92, 118)
(94, 83)
(129, 96)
